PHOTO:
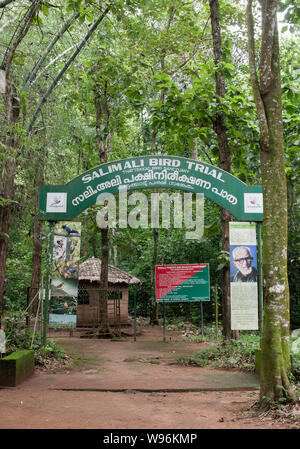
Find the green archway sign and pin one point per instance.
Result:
(64, 202)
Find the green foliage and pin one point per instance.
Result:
(190, 326)
(4, 202)
(291, 9)
(236, 354)
(295, 357)
(173, 248)
(239, 354)
(17, 333)
(291, 110)
(51, 350)
(19, 336)
(224, 260)
(295, 366)
(18, 269)
(155, 64)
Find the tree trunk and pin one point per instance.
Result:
(65, 68)
(154, 304)
(8, 170)
(103, 326)
(224, 160)
(114, 249)
(102, 118)
(85, 241)
(5, 220)
(275, 363)
(195, 150)
(7, 192)
(36, 262)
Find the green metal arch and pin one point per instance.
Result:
(65, 202)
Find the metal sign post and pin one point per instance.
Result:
(217, 311)
(201, 313)
(164, 309)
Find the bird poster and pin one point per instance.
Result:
(65, 261)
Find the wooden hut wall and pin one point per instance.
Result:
(88, 314)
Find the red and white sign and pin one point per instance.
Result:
(171, 277)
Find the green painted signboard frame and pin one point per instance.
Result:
(65, 202)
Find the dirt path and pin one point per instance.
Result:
(133, 385)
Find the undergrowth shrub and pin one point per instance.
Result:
(51, 352)
(237, 354)
(17, 333)
(18, 336)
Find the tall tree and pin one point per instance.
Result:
(275, 365)
(219, 125)
(102, 132)
(36, 265)
(14, 103)
(12, 140)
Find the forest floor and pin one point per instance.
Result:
(129, 384)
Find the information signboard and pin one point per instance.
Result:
(243, 276)
(176, 283)
(65, 260)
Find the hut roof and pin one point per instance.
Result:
(90, 270)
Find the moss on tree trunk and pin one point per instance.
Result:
(275, 359)
(275, 338)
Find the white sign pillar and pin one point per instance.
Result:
(2, 342)
(243, 276)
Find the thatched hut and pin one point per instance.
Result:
(88, 294)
